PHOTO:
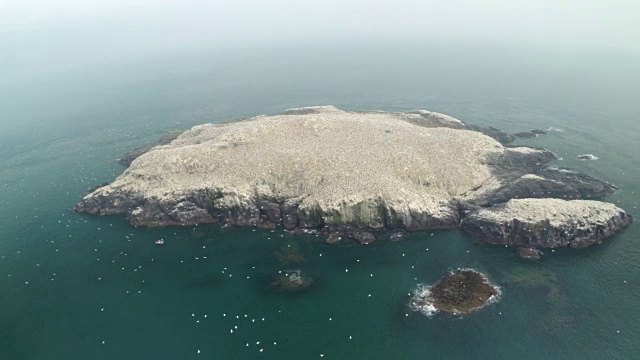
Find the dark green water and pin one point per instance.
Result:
(80, 287)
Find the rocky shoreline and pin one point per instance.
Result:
(354, 174)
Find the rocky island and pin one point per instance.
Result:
(458, 293)
(355, 173)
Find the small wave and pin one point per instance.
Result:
(420, 301)
(551, 128)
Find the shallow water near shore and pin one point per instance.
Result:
(83, 287)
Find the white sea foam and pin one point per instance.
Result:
(551, 128)
(421, 301)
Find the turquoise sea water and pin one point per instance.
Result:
(82, 287)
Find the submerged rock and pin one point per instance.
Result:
(460, 292)
(546, 223)
(395, 236)
(290, 255)
(525, 134)
(539, 132)
(293, 280)
(529, 253)
(333, 238)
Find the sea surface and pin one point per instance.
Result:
(85, 287)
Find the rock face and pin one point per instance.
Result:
(336, 171)
(547, 223)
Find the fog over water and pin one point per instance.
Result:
(67, 33)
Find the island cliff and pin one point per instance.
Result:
(336, 171)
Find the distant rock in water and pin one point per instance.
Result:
(587, 157)
(460, 292)
(547, 223)
(321, 168)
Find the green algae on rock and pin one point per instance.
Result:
(458, 293)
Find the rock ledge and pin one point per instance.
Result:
(547, 223)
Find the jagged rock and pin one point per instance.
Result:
(546, 223)
(538, 132)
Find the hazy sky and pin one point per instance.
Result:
(611, 22)
(57, 33)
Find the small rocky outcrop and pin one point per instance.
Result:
(397, 235)
(460, 292)
(363, 237)
(587, 157)
(333, 238)
(546, 223)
